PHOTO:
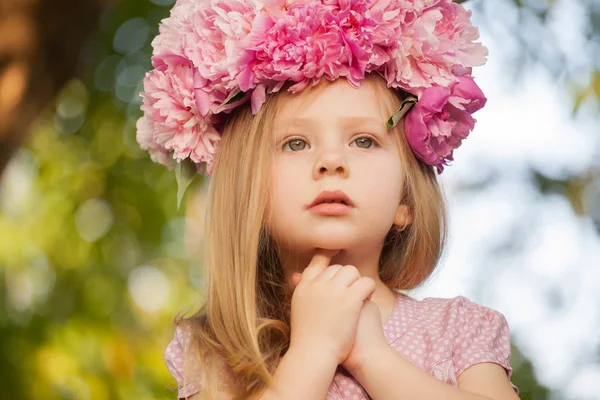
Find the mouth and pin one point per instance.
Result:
(331, 203)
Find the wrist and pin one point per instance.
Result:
(364, 363)
(319, 358)
(302, 373)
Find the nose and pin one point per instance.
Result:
(330, 162)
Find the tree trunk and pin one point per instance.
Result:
(40, 46)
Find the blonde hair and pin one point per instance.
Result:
(242, 331)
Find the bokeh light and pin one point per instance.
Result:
(149, 288)
(93, 219)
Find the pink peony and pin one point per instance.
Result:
(441, 119)
(435, 44)
(220, 27)
(145, 138)
(302, 46)
(212, 56)
(357, 28)
(173, 118)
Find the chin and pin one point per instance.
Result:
(330, 246)
(335, 242)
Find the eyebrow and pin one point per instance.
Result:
(346, 121)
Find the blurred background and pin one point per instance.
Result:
(96, 259)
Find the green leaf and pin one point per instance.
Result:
(233, 97)
(596, 84)
(406, 105)
(185, 172)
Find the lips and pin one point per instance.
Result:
(332, 197)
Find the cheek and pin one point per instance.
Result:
(385, 197)
(384, 175)
(287, 196)
(382, 183)
(286, 168)
(286, 188)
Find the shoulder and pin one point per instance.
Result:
(177, 348)
(479, 333)
(459, 333)
(181, 363)
(459, 312)
(459, 319)
(192, 374)
(459, 304)
(463, 318)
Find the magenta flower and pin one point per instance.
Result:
(441, 119)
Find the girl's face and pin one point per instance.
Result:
(334, 141)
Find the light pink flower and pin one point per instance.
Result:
(175, 122)
(441, 119)
(356, 26)
(302, 47)
(437, 43)
(210, 51)
(145, 138)
(209, 35)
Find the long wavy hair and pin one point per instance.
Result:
(243, 328)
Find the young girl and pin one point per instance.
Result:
(322, 207)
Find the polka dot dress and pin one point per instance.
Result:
(442, 336)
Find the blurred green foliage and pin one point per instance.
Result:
(92, 269)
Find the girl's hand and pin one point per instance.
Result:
(369, 335)
(326, 307)
(369, 338)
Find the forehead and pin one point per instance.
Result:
(335, 101)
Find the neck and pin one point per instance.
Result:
(296, 261)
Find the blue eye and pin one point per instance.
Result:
(364, 142)
(295, 145)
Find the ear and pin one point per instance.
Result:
(296, 278)
(403, 216)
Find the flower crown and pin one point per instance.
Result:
(211, 56)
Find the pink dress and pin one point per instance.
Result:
(442, 336)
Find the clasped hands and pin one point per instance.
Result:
(331, 313)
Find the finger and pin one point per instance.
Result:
(327, 274)
(363, 288)
(318, 263)
(346, 276)
(330, 271)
